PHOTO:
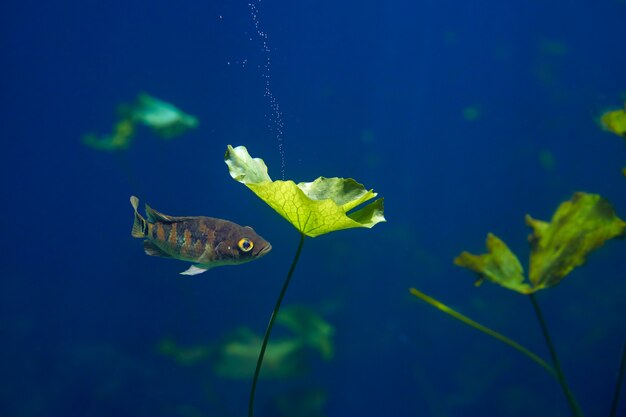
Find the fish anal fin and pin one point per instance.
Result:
(153, 250)
(195, 270)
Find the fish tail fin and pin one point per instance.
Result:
(140, 226)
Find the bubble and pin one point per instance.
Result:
(275, 117)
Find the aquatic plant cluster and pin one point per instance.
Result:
(577, 228)
(406, 209)
(325, 205)
(314, 208)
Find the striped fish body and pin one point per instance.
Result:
(206, 241)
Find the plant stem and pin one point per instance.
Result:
(442, 307)
(618, 383)
(576, 410)
(266, 338)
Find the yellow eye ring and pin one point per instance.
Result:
(245, 244)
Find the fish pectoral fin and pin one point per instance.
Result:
(194, 270)
(153, 250)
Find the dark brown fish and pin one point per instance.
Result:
(206, 241)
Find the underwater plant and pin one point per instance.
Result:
(578, 227)
(312, 329)
(235, 356)
(614, 121)
(121, 138)
(313, 208)
(165, 119)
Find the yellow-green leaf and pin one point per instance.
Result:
(314, 208)
(499, 265)
(615, 121)
(244, 168)
(578, 227)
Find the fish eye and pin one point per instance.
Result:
(245, 244)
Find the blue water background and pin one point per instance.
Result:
(369, 90)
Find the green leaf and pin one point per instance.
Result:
(499, 265)
(615, 121)
(314, 208)
(578, 227)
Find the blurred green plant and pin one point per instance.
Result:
(235, 356)
(165, 119)
(121, 138)
(313, 208)
(614, 121)
(578, 227)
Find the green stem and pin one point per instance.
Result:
(618, 383)
(266, 338)
(576, 410)
(442, 307)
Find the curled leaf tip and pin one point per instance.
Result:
(243, 167)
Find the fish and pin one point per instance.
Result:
(206, 241)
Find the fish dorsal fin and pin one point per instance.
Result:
(195, 270)
(155, 216)
(153, 250)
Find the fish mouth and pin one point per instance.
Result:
(264, 250)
